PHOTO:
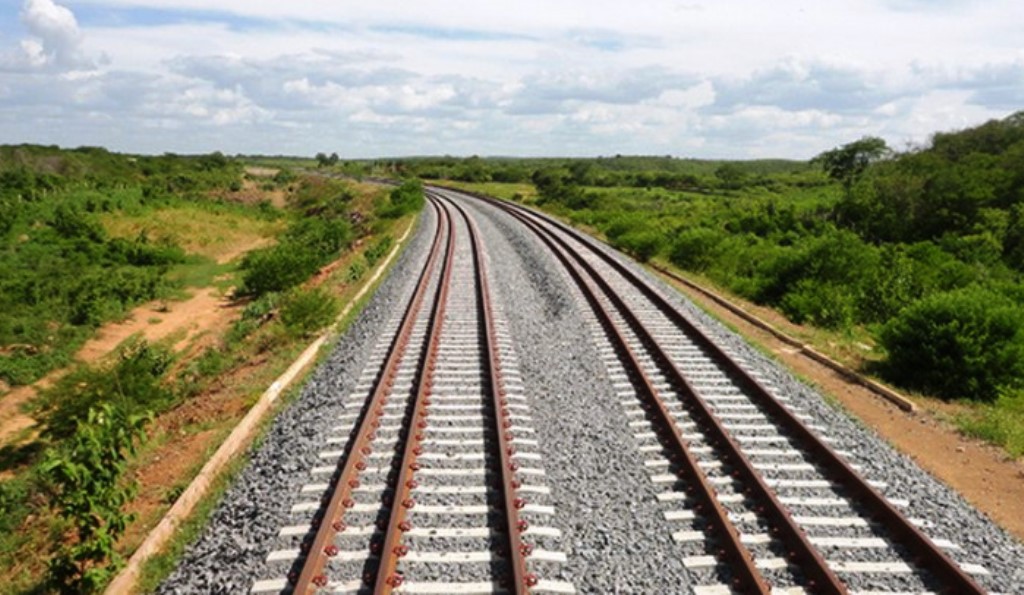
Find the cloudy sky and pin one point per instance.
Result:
(695, 78)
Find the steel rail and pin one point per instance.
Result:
(733, 553)
(387, 577)
(924, 553)
(514, 525)
(331, 521)
(821, 578)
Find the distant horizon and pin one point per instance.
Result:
(734, 80)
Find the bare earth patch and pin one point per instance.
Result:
(984, 475)
(206, 313)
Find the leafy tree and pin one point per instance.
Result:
(730, 175)
(695, 249)
(846, 163)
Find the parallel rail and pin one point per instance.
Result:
(418, 357)
(818, 577)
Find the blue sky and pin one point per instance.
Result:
(733, 78)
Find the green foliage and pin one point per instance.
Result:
(967, 343)
(309, 243)
(377, 251)
(132, 383)
(1001, 423)
(403, 200)
(60, 273)
(256, 313)
(355, 272)
(323, 160)
(303, 312)
(89, 492)
(965, 191)
(560, 186)
(828, 305)
(276, 269)
(845, 164)
(695, 249)
(642, 244)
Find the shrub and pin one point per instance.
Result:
(964, 343)
(255, 315)
(378, 250)
(407, 198)
(355, 272)
(275, 269)
(89, 493)
(822, 304)
(304, 312)
(133, 383)
(643, 244)
(695, 249)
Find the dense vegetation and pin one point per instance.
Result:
(924, 249)
(61, 274)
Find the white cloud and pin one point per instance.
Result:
(56, 36)
(733, 78)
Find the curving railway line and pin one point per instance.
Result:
(748, 476)
(438, 476)
(432, 478)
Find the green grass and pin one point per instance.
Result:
(1001, 423)
(211, 230)
(203, 272)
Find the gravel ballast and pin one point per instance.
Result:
(230, 552)
(612, 526)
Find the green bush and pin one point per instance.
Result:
(378, 250)
(133, 383)
(695, 249)
(823, 304)
(303, 312)
(967, 343)
(642, 244)
(89, 493)
(355, 271)
(407, 198)
(275, 269)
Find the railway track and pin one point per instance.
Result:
(755, 497)
(432, 481)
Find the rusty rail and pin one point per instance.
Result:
(517, 549)
(387, 578)
(331, 521)
(734, 554)
(923, 551)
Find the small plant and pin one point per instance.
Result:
(377, 251)
(355, 272)
(132, 383)
(89, 493)
(407, 198)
